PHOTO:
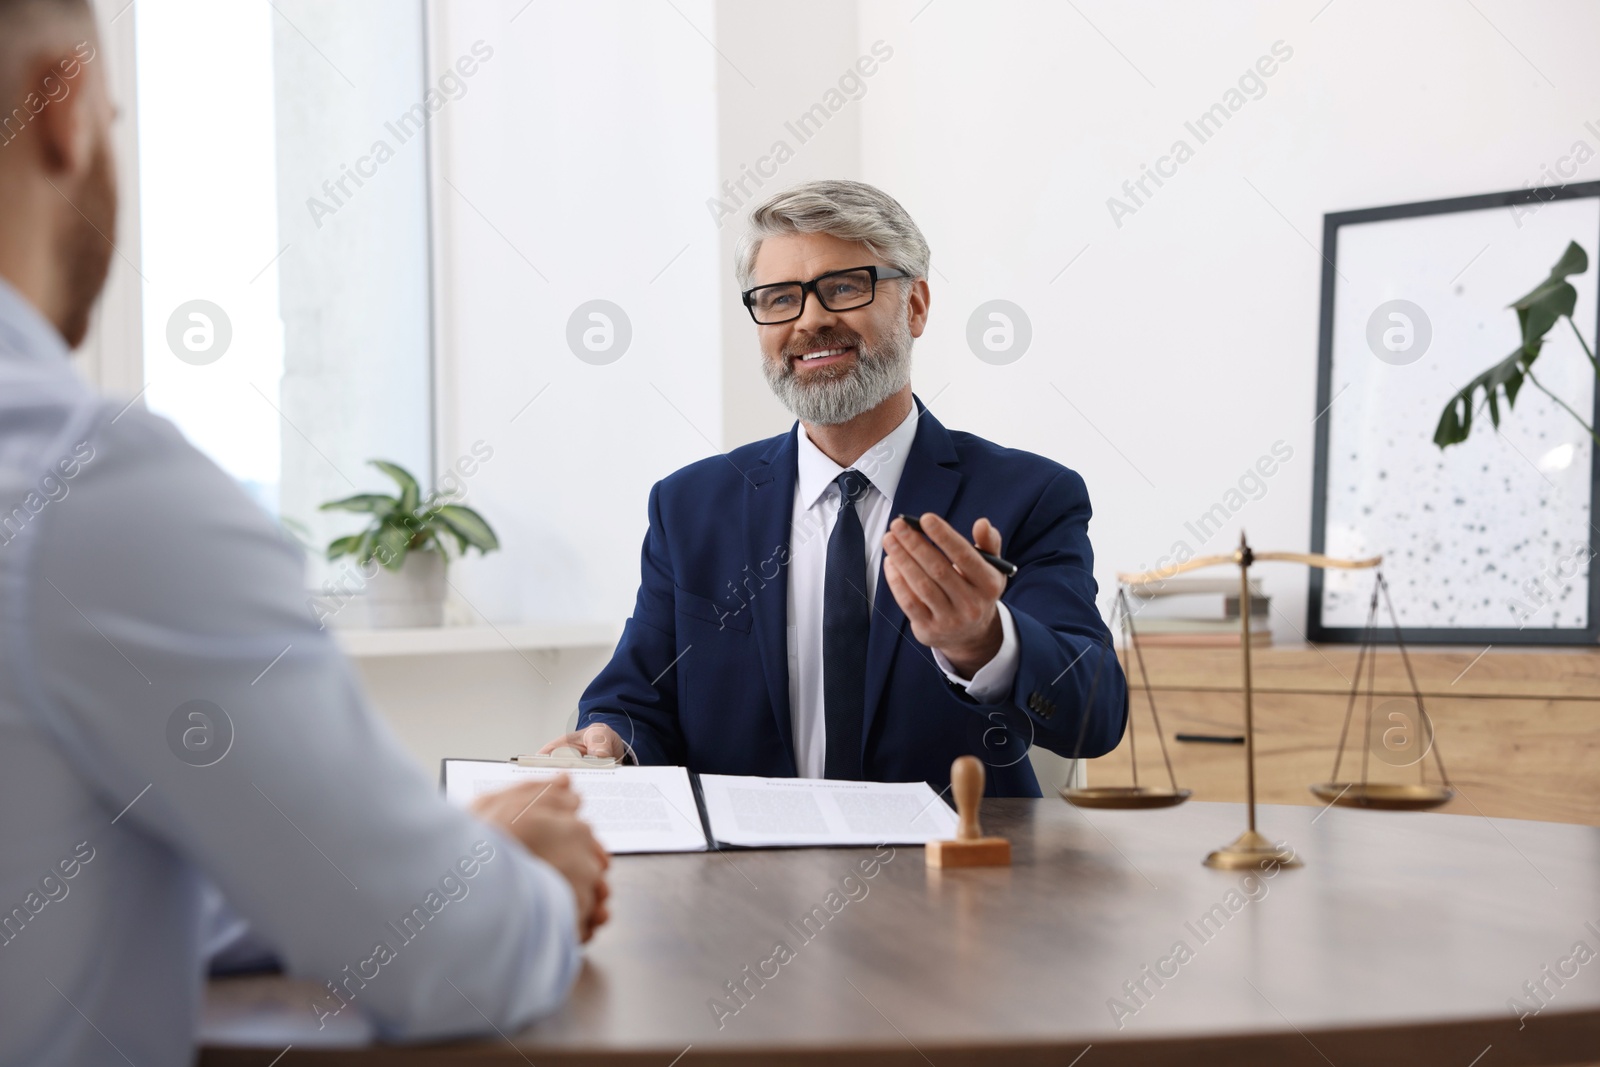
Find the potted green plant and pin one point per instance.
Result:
(404, 550)
(1547, 304)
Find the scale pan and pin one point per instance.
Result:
(1384, 797)
(1124, 796)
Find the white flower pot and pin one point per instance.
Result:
(412, 596)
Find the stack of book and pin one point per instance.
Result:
(1196, 613)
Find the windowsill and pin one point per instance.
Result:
(453, 640)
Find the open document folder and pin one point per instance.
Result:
(656, 809)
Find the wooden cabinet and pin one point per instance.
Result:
(1518, 730)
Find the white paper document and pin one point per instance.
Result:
(769, 812)
(632, 809)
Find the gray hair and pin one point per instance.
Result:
(851, 211)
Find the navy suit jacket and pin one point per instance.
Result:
(700, 677)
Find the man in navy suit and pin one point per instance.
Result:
(785, 625)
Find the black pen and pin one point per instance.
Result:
(1004, 566)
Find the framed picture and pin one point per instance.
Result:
(1488, 541)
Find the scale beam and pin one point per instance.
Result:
(1236, 558)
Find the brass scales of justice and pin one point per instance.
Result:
(1252, 849)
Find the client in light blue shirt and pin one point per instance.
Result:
(173, 722)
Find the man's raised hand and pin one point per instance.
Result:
(948, 592)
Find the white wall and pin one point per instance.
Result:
(486, 705)
(1186, 337)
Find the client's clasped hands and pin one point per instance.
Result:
(543, 816)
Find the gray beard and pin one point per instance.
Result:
(878, 374)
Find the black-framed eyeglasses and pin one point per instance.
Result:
(837, 290)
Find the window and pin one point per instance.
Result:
(287, 326)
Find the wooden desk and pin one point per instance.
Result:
(1519, 728)
(1399, 942)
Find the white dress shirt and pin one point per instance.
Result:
(135, 578)
(816, 508)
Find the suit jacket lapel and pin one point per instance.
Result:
(928, 483)
(768, 515)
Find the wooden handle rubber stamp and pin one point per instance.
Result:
(970, 848)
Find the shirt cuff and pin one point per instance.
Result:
(994, 679)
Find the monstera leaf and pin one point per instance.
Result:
(1550, 300)
(1545, 305)
(1506, 376)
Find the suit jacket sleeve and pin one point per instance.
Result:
(1069, 694)
(637, 692)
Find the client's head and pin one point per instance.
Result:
(58, 189)
(834, 274)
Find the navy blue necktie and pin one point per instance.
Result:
(846, 620)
